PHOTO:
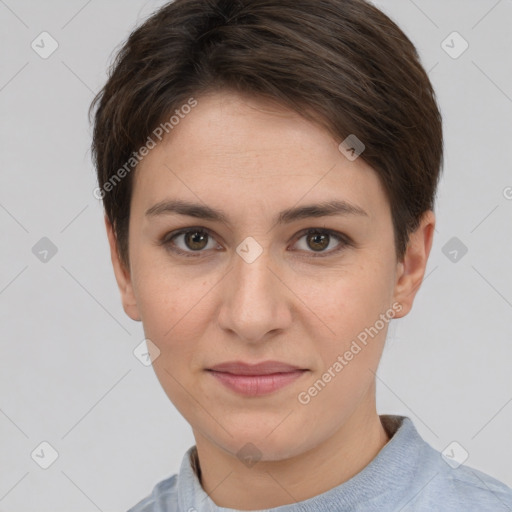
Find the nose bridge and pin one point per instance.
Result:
(251, 274)
(252, 278)
(252, 303)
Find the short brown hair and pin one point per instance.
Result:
(342, 63)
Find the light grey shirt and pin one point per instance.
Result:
(407, 475)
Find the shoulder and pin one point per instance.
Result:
(164, 498)
(430, 480)
(477, 490)
(456, 487)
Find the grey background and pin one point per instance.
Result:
(68, 374)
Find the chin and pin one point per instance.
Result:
(266, 444)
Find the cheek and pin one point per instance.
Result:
(170, 303)
(171, 309)
(348, 358)
(348, 300)
(350, 306)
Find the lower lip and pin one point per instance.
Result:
(256, 385)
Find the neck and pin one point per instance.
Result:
(270, 484)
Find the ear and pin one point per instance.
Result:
(122, 274)
(411, 269)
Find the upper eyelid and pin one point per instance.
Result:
(173, 234)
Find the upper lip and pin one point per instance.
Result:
(263, 368)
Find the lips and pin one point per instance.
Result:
(254, 380)
(264, 368)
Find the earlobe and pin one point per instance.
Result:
(122, 275)
(411, 270)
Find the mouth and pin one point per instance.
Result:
(263, 368)
(256, 379)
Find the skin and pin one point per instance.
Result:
(252, 159)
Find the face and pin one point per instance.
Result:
(255, 286)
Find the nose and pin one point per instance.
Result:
(256, 305)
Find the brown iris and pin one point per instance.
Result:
(319, 241)
(196, 240)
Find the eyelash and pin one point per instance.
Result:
(170, 246)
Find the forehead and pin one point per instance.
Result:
(242, 127)
(233, 147)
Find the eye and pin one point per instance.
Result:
(319, 239)
(195, 241)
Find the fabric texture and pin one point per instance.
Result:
(407, 475)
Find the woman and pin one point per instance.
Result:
(268, 170)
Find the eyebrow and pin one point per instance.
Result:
(327, 208)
